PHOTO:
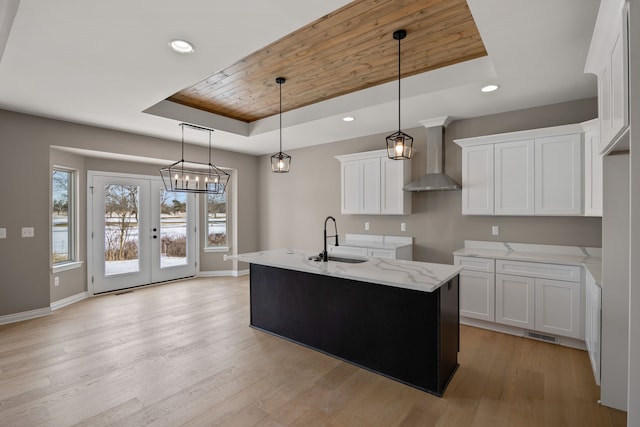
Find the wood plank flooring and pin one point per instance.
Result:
(183, 354)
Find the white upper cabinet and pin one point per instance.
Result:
(558, 175)
(592, 169)
(477, 180)
(608, 59)
(370, 201)
(372, 184)
(351, 177)
(534, 172)
(514, 178)
(395, 174)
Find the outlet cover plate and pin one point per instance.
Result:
(27, 232)
(3, 233)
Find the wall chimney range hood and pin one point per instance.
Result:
(434, 179)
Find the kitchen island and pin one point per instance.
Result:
(394, 317)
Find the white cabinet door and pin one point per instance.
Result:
(618, 61)
(351, 187)
(514, 178)
(592, 174)
(477, 295)
(557, 307)
(592, 324)
(370, 186)
(394, 175)
(558, 175)
(515, 301)
(477, 180)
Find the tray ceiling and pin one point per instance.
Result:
(345, 51)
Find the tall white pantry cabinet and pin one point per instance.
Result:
(534, 172)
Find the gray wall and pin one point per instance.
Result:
(25, 162)
(293, 206)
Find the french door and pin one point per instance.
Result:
(138, 232)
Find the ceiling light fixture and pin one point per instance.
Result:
(399, 144)
(194, 177)
(490, 88)
(348, 119)
(280, 162)
(181, 46)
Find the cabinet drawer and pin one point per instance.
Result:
(382, 253)
(348, 250)
(474, 263)
(569, 273)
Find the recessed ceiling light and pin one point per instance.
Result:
(489, 88)
(181, 46)
(348, 119)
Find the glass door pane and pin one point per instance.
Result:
(121, 229)
(173, 229)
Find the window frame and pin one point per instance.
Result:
(73, 220)
(206, 247)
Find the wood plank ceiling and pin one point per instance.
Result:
(345, 51)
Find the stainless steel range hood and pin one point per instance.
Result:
(435, 179)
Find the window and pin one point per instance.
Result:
(63, 216)
(217, 225)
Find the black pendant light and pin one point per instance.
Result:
(399, 144)
(280, 162)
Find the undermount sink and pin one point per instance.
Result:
(338, 259)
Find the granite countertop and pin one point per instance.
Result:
(590, 258)
(419, 276)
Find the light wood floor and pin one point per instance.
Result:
(183, 354)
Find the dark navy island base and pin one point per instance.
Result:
(407, 335)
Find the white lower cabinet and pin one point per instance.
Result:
(558, 307)
(534, 296)
(477, 295)
(515, 301)
(593, 319)
(477, 287)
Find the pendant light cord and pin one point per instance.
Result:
(399, 98)
(280, 84)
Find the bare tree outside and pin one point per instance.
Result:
(121, 222)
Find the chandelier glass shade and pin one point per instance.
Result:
(194, 177)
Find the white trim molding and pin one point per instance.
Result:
(56, 305)
(223, 273)
(25, 315)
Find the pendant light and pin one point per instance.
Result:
(399, 144)
(280, 162)
(194, 177)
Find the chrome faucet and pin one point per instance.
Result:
(324, 254)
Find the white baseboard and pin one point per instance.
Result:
(223, 273)
(511, 330)
(68, 301)
(25, 315)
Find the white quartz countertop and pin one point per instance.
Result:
(590, 258)
(415, 275)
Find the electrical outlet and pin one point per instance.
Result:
(27, 232)
(495, 230)
(403, 226)
(3, 233)
(56, 281)
(366, 226)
